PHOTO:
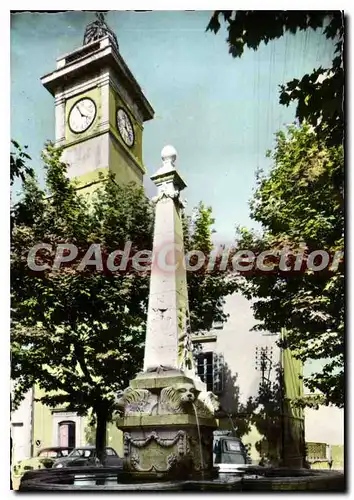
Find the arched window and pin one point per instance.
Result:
(67, 434)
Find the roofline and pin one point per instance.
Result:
(105, 53)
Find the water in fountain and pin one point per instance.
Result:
(200, 442)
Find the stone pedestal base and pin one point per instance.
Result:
(168, 427)
(167, 447)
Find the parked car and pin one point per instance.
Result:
(229, 453)
(44, 460)
(86, 455)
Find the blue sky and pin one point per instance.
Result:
(220, 113)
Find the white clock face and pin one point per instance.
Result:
(125, 127)
(82, 115)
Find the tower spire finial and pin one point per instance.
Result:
(98, 29)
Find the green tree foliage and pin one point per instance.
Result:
(18, 170)
(78, 333)
(300, 206)
(319, 95)
(18, 166)
(302, 199)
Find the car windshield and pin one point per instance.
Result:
(83, 452)
(232, 446)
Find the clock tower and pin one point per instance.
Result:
(100, 110)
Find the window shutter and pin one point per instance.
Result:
(218, 373)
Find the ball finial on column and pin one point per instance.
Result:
(169, 155)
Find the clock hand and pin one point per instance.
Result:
(124, 126)
(82, 114)
(78, 108)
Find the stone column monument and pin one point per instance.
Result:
(166, 414)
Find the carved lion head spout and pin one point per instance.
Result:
(175, 398)
(187, 393)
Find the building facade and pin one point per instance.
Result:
(238, 363)
(22, 428)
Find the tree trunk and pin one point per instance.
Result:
(101, 430)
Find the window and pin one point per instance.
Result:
(49, 454)
(210, 369)
(76, 453)
(110, 452)
(232, 446)
(67, 434)
(83, 452)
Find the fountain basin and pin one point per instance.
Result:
(249, 479)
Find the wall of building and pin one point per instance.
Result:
(21, 429)
(42, 427)
(116, 102)
(87, 157)
(241, 349)
(121, 164)
(115, 438)
(239, 344)
(325, 425)
(46, 425)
